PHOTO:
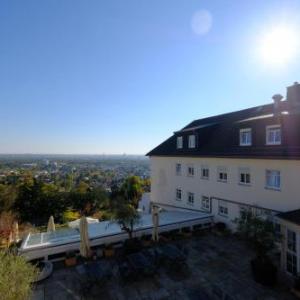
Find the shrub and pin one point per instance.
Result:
(220, 226)
(70, 215)
(259, 232)
(16, 276)
(297, 283)
(264, 271)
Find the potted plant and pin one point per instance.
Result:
(165, 237)
(261, 235)
(146, 240)
(132, 245)
(70, 259)
(296, 287)
(186, 232)
(264, 271)
(109, 251)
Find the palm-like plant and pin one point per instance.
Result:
(132, 189)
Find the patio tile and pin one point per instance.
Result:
(216, 264)
(38, 294)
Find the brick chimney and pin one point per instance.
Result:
(277, 99)
(293, 95)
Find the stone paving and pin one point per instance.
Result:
(219, 268)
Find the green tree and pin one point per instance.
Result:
(82, 187)
(36, 201)
(16, 276)
(8, 195)
(132, 190)
(89, 202)
(146, 185)
(126, 216)
(259, 232)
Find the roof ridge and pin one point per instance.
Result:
(224, 115)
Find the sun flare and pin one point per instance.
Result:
(279, 46)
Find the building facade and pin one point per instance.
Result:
(249, 159)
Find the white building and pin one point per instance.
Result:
(248, 159)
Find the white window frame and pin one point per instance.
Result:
(223, 208)
(248, 141)
(203, 169)
(274, 141)
(291, 250)
(178, 192)
(192, 141)
(222, 170)
(178, 169)
(190, 196)
(247, 176)
(205, 203)
(179, 142)
(190, 174)
(292, 264)
(291, 239)
(278, 179)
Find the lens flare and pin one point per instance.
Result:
(279, 46)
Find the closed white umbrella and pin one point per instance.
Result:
(10, 238)
(51, 225)
(84, 237)
(155, 221)
(75, 224)
(16, 232)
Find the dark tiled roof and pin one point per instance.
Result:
(291, 216)
(218, 136)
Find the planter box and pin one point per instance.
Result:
(264, 272)
(187, 234)
(70, 261)
(109, 252)
(146, 243)
(296, 293)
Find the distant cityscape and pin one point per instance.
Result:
(96, 170)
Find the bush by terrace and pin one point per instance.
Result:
(16, 277)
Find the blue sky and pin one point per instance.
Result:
(121, 76)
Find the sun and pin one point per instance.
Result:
(278, 46)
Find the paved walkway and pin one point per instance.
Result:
(218, 269)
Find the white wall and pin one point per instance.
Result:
(165, 181)
(144, 203)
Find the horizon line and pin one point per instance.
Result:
(92, 154)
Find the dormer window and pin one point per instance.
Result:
(273, 135)
(245, 137)
(179, 142)
(192, 141)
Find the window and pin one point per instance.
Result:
(178, 194)
(277, 228)
(223, 209)
(190, 171)
(245, 178)
(245, 137)
(178, 169)
(190, 198)
(291, 263)
(273, 179)
(273, 135)
(205, 203)
(204, 172)
(179, 142)
(192, 141)
(291, 240)
(222, 174)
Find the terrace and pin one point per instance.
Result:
(216, 267)
(55, 245)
